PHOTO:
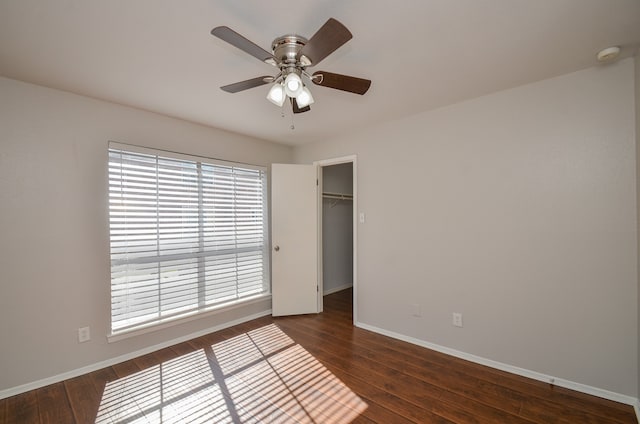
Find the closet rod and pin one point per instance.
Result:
(338, 196)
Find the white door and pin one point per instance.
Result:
(294, 231)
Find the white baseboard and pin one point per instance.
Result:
(126, 357)
(337, 289)
(606, 394)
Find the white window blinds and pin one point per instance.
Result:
(187, 235)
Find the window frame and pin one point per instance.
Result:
(203, 309)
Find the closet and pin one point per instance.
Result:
(337, 227)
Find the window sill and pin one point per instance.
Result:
(173, 321)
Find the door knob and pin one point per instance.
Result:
(276, 248)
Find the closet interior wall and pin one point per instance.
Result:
(337, 227)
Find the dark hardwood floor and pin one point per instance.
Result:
(309, 369)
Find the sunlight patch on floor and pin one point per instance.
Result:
(261, 376)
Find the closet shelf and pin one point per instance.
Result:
(338, 196)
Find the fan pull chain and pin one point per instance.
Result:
(292, 127)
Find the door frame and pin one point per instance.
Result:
(319, 165)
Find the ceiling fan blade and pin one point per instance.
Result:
(230, 36)
(341, 82)
(297, 109)
(245, 85)
(325, 41)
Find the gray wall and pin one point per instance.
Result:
(517, 209)
(54, 233)
(337, 229)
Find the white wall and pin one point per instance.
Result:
(54, 234)
(337, 229)
(517, 209)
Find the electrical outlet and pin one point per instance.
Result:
(457, 319)
(417, 310)
(84, 334)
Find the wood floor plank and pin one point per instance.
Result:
(83, 398)
(122, 396)
(182, 349)
(381, 415)
(53, 405)
(23, 408)
(125, 369)
(101, 378)
(451, 400)
(545, 410)
(361, 419)
(3, 411)
(147, 361)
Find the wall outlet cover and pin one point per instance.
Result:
(457, 319)
(84, 334)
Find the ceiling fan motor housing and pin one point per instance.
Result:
(285, 50)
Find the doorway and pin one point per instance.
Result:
(337, 228)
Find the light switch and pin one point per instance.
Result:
(362, 217)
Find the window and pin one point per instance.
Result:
(187, 234)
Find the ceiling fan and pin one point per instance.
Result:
(292, 55)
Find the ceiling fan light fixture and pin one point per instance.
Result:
(305, 98)
(276, 95)
(293, 85)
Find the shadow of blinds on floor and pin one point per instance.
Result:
(258, 376)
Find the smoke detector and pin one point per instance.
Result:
(608, 54)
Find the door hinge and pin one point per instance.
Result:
(317, 289)
(317, 182)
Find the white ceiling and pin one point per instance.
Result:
(159, 55)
